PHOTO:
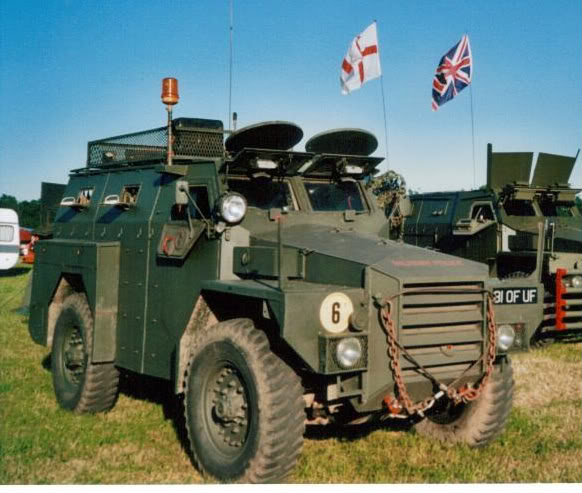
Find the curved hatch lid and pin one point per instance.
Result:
(276, 135)
(353, 141)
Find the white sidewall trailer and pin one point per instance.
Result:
(9, 239)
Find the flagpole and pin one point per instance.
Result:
(383, 102)
(472, 117)
(472, 132)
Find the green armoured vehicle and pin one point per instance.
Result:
(260, 283)
(521, 229)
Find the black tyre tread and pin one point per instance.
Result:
(484, 419)
(283, 421)
(101, 381)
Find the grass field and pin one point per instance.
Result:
(141, 440)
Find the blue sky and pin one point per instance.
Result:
(73, 71)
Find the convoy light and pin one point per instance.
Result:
(232, 207)
(576, 282)
(170, 91)
(348, 352)
(505, 337)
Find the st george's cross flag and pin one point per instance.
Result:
(453, 73)
(362, 61)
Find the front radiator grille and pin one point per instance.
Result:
(442, 326)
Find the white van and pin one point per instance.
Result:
(9, 239)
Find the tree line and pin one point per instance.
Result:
(28, 210)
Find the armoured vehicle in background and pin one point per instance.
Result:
(520, 229)
(50, 199)
(261, 283)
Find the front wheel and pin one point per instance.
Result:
(244, 407)
(476, 423)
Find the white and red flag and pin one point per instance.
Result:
(362, 61)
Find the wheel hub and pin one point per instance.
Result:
(74, 355)
(230, 408)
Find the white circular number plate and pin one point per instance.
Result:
(335, 312)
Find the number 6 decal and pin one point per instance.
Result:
(335, 311)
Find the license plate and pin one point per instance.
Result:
(515, 296)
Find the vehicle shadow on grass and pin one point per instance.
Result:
(158, 391)
(352, 432)
(154, 390)
(14, 272)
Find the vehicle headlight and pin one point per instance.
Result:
(505, 337)
(232, 207)
(576, 282)
(348, 352)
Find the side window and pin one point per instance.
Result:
(84, 196)
(555, 209)
(6, 233)
(199, 194)
(514, 207)
(263, 193)
(482, 212)
(435, 208)
(332, 197)
(129, 194)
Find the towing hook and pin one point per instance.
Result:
(380, 300)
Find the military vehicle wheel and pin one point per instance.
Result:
(244, 407)
(479, 422)
(80, 385)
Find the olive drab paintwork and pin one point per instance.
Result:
(524, 231)
(310, 266)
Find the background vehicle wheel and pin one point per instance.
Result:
(244, 407)
(479, 422)
(80, 385)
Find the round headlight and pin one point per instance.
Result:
(505, 337)
(576, 282)
(348, 352)
(233, 207)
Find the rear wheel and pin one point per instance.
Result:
(244, 406)
(80, 385)
(476, 423)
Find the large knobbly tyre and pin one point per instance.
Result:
(479, 422)
(80, 385)
(244, 407)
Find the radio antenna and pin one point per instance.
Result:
(230, 68)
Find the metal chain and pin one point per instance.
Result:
(464, 394)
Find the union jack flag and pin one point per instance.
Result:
(453, 73)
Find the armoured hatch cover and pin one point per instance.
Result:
(504, 168)
(352, 141)
(277, 135)
(552, 169)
